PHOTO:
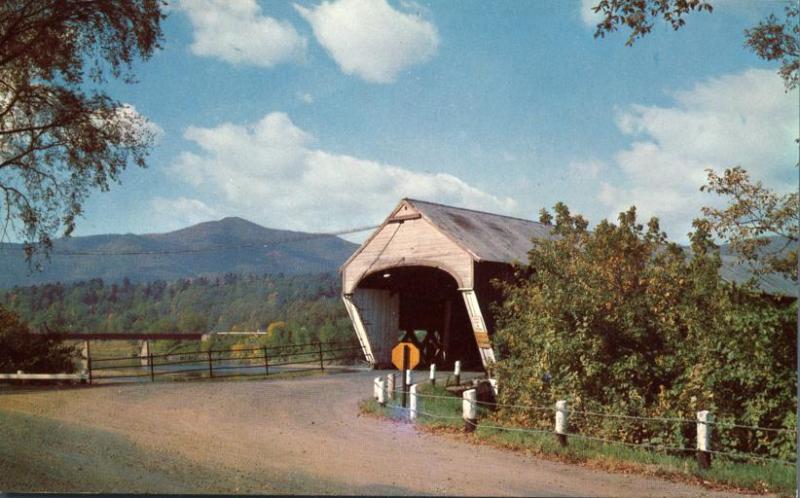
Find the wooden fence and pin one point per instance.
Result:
(217, 363)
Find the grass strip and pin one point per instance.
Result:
(766, 477)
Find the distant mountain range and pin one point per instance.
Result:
(228, 245)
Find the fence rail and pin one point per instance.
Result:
(219, 363)
(388, 395)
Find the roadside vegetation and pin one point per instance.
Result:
(443, 415)
(619, 320)
(288, 309)
(22, 350)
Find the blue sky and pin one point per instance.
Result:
(320, 116)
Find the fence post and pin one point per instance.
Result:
(390, 385)
(88, 360)
(457, 372)
(321, 365)
(704, 418)
(375, 387)
(210, 368)
(412, 403)
(561, 422)
(469, 409)
(381, 392)
(266, 362)
(433, 374)
(152, 372)
(406, 386)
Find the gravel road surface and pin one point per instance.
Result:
(296, 436)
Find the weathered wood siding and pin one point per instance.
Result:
(412, 242)
(380, 314)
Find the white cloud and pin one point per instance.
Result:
(370, 39)
(306, 98)
(139, 127)
(270, 172)
(588, 15)
(237, 32)
(743, 119)
(183, 211)
(588, 169)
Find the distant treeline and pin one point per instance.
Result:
(296, 308)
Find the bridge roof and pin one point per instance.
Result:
(487, 236)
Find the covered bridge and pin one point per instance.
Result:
(425, 275)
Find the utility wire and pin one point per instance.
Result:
(286, 240)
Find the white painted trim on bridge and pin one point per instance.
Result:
(358, 325)
(478, 323)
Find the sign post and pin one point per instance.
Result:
(405, 356)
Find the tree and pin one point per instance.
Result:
(61, 137)
(641, 15)
(772, 39)
(621, 320)
(22, 350)
(761, 226)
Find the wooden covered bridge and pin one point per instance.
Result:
(425, 275)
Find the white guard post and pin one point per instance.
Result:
(704, 419)
(561, 422)
(412, 403)
(469, 409)
(381, 392)
(390, 385)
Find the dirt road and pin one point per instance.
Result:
(272, 436)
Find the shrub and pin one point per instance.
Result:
(20, 349)
(621, 320)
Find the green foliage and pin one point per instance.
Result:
(294, 309)
(772, 39)
(36, 353)
(761, 226)
(776, 39)
(621, 320)
(60, 138)
(640, 15)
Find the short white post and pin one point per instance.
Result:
(469, 409)
(704, 418)
(412, 403)
(375, 387)
(381, 392)
(85, 356)
(562, 422)
(144, 353)
(390, 387)
(457, 372)
(408, 377)
(432, 376)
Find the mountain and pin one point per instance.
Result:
(229, 245)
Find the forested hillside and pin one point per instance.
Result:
(298, 308)
(230, 245)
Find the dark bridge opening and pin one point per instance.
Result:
(432, 313)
